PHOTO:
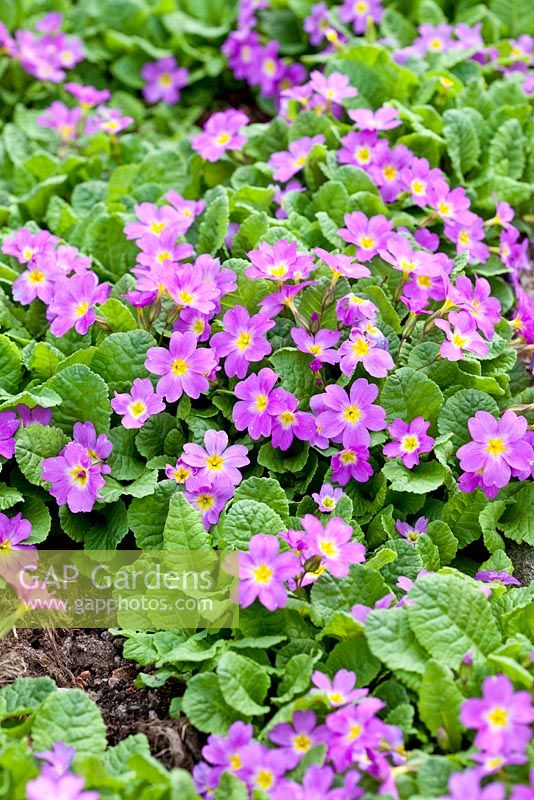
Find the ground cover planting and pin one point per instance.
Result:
(265, 290)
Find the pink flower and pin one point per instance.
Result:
(382, 119)
(37, 281)
(209, 496)
(266, 69)
(24, 244)
(187, 210)
(257, 403)
(288, 162)
(33, 416)
(263, 571)
(358, 149)
(466, 786)
(342, 265)
(360, 13)
(352, 462)
(449, 205)
(468, 236)
(418, 177)
(154, 220)
(501, 717)
(296, 738)
(411, 441)
(368, 234)
(216, 459)
(334, 87)
(87, 96)
(332, 544)
(62, 119)
(163, 80)
(498, 448)
(328, 498)
(343, 416)
(242, 340)
(361, 348)
(14, 532)
(340, 689)
(74, 302)
(279, 262)
(75, 480)
(319, 345)
(412, 532)
(189, 288)
(183, 367)
(222, 132)
(460, 330)
(352, 308)
(478, 302)
(141, 403)
(387, 169)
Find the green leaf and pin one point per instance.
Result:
(295, 373)
(104, 239)
(205, 707)
(244, 683)
(147, 516)
(230, 788)
(439, 704)
(269, 490)
(450, 616)
(214, 223)
(408, 394)
(124, 459)
(517, 522)
(461, 137)
(391, 639)
(354, 654)
(329, 594)
(84, 398)
(459, 408)
(246, 518)
(292, 460)
(461, 513)
(121, 358)
(507, 150)
(10, 365)
(117, 316)
(71, 717)
(184, 529)
(422, 479)
(24, 695)
(9, 497)
(444, 539)
(35, 443)
(296, 678)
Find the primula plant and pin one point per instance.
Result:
(265, 288)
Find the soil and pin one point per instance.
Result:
(92, 661)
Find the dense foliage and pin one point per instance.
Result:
(304, 339)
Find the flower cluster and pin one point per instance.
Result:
(46, 54)
(56, 778)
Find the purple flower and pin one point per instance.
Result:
(241, 49)
(319, 345)
(263, 571)
(501, 717)
(288, 162)
(266, 68)
(180, 473)
(461, 333)
(466, 786)
(340, 689)
(187, 210)
(317, 24)
(360, 13)
(498, 448)
(257, 403)
(87, 96)
(216, 458)
(352, 308)
(342, 265)
(332, 544)
(468, 236)
(14, 532)
(449, 205)
(418, 178)
(222, 132)
(110, 120)
(141, 403)
(296, 738)
(33, 416)
(58, 759)
(411, 441)
(412, 532)
(159, 249)
(194, 321)
(226, 752)
(183, 367)
(75, 480)
(353, 462)
(189, 288)
(363, 349)
(334, 87)
(242, 340)
(360, 612)
(382, 119)
(285, 296)
(9, 424)
(524, 792)
(358, 149)
(280, 262)
(24, 244)
(209, 496)
(387, 169)
(491, 575)
(354, 731)
(288, 422)
(342, 416)
(327, 498)
(154, 220)
(74, 301)
(478, 302)
(62, 119)
(163, 80)
(368, 234)
(65, 787)
(68, 259)
(98, 446)
(37, 281)
(264, 769)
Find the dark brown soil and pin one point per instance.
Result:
(92, 660)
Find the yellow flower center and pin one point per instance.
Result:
(355, 731)
(223, 139)
(215, 462)
(157, 227)
(347, 457)
(262, 574)
(336, 697)
(315, 349)
(81, 309)
(299, 162)
(367, 242)
(436, 44)
(198, 326)
(328, 548)
(287, 418)
(179, 367)
(463, 237)
(302, 743)
(360, 347)
(279, 269)
(235, 762)
(181, 474)
(409, 443)
(205, 501)
(165, 79)
(389, 173)
(495, 447)
(137, 408)
(418, 187)
(27, 252)
(35, 276)
(79, 475)
(185, 298)
(444, 209)
(328, 502)
(363, 155)
(261, 402)
(264, 779)
(164, 255)
(352, 414)
(424, 281)
(498, 717)
(112, 125)
(66, 131)
(243, 340)
(360, 7)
